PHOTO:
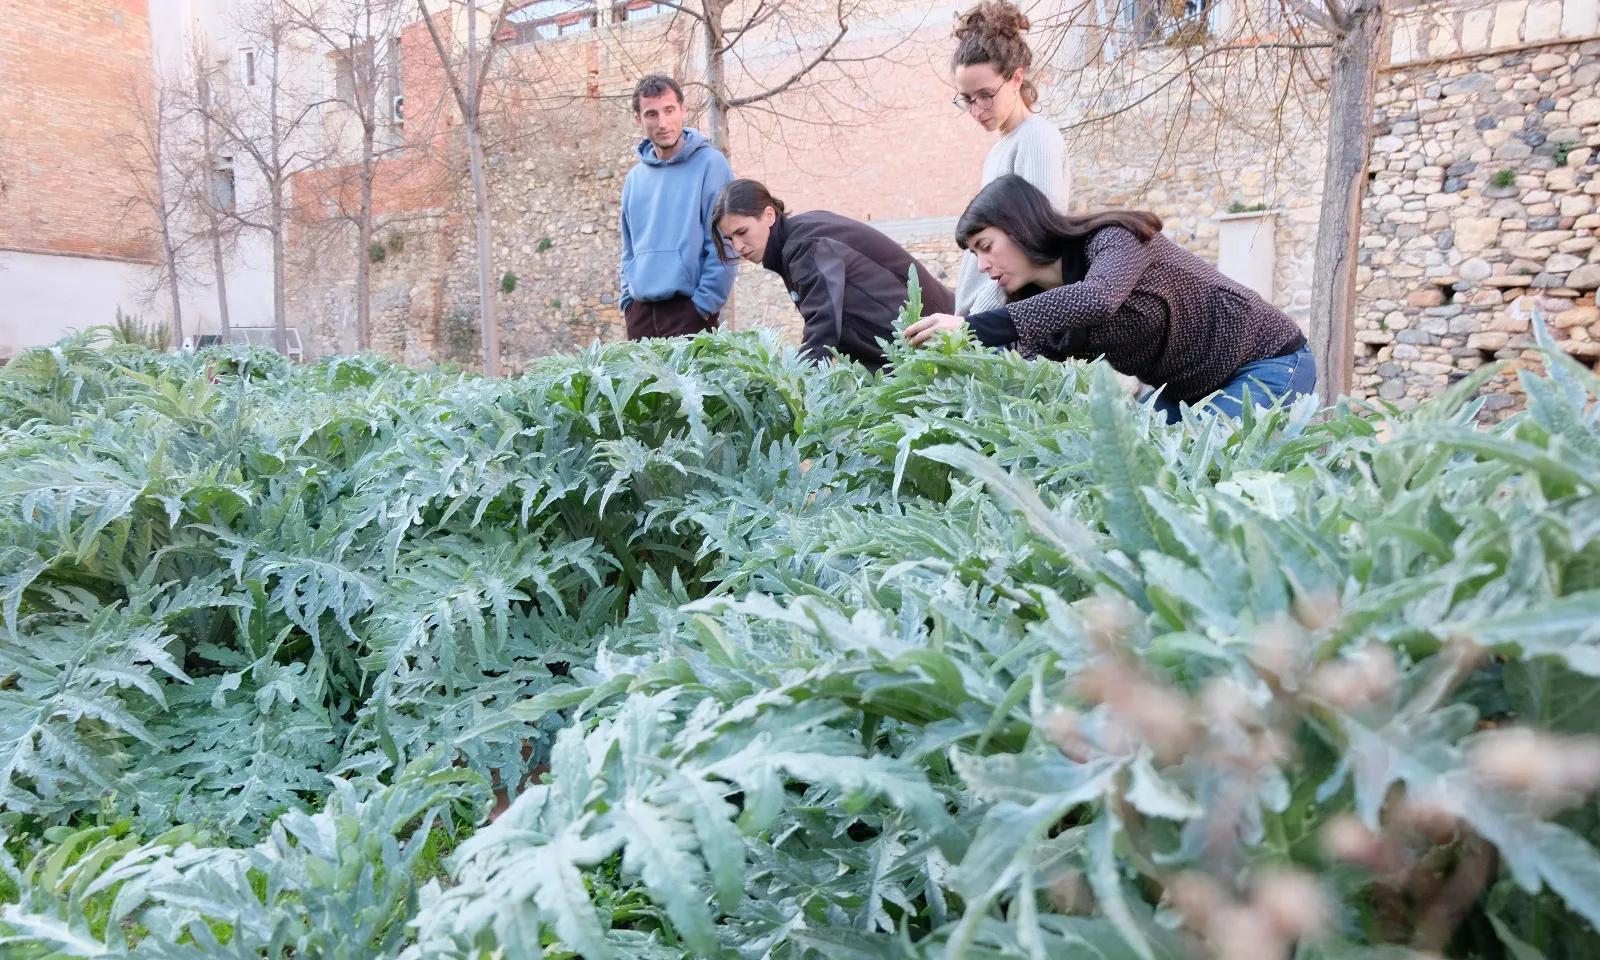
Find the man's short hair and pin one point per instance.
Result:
(655, 85)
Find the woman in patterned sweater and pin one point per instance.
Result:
(1112, 285)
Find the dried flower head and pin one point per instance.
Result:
(1116, 739)
(1107, 623)
(1361, 679)
(1070, 896)
(1160, 715)
(1316, 611)
(1269, 748)
(1196, 898)
(1228, 704)
(1294, 900)
(1431, 817)
(1346, 838)
(1551, 769)
(1246, 933)
(1065, 727)
(1278, 654)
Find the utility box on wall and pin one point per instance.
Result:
(1247, 249)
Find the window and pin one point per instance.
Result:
(1167, 21)
(222, 184)
(247, 67)
(342, 67)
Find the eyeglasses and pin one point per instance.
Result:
(984, 99)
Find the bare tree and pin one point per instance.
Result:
(206, 176)
(360, 36)
(212, 184)
(1357, 33)
(267, 114)
(149, 153)
(468, 91)
(785, 58)
(1273, 70)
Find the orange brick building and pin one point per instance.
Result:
(70, 250)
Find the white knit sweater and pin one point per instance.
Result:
(1035, 152)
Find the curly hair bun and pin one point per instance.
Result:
(991, 33)
(992, 20)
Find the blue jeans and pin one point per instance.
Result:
(1287, 378)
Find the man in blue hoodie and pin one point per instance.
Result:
(673, 282)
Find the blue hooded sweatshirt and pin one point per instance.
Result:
(667, 245)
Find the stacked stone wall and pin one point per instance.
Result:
(1256, 143)
(554, 228)
(1480, 209)
(1480, 213)
(556, 164)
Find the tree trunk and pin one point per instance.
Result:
(280, 318)
(167, 248)
(367, 85)
(1351, 90)
(480, 198)
(172, 284)
(717, 103)
(275, 177)
(716, 95)
(364, 243)
(209, 191)
(220, 268)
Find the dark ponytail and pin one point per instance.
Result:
(992, 33)
(1023, 213)
(743, 198)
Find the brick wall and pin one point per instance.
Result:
(67, 72)
(907, 154)
(554, 211)
(900, 153)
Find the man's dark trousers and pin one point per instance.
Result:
(665, 318)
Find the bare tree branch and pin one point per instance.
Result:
(774, 91)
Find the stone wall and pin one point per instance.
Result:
(554, 211)
(561, 143)
(1479, 213)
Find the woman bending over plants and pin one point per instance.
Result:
(1110, 284)
(847, 279)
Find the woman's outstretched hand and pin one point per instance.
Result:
(919, 332)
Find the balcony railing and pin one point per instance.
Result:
(561, 19)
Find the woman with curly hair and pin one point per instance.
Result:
(991, 72)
